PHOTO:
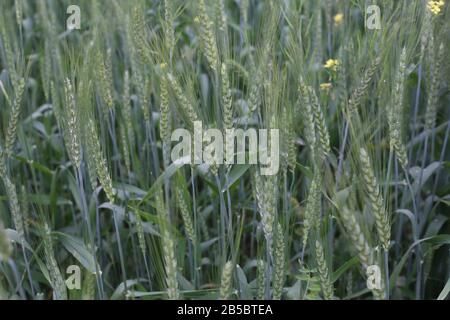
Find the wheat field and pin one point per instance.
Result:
(93, 205)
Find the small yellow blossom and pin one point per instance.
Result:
(435, 6)
(332, 64)
(325, 86)
(163, 65)
(338, 18)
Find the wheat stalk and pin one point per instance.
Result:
(88, 289)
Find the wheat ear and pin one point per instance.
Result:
(18, 4)
(320, 124)
(221, 15)
(185, 213)
(182, 99)
(169, 31)
(309, 127)
(101, 166)
(265, 190)
(226, 281)
(312, 211)
(127, 111)
(433, 95)
(165, 122)
(104, 77)
(168, 247)
(14, 117)
(375, 200)
(5, 244)
(140, 234)
(72, 123)
(279, 263)
(360, 91)
(394, 114)
(324, 275)
(207, 36)
(14, 206)
(139, 34)
(261, 279)
(356, 236)
(56, 279)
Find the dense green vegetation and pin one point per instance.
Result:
(359, 208)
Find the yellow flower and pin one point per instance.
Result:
(332, 64)
(435, 6)
(325, 86)
(338, 18)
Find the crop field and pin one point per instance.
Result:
(224, 149)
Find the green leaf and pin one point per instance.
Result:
(426, 173)
(244, 287)
(78, 250)
(167, 174)
(411, 218)
(236, 173)
(340, 271)
(445, 291)
(435, 240)
(14, 236)
(119, 293)
(35, 165)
